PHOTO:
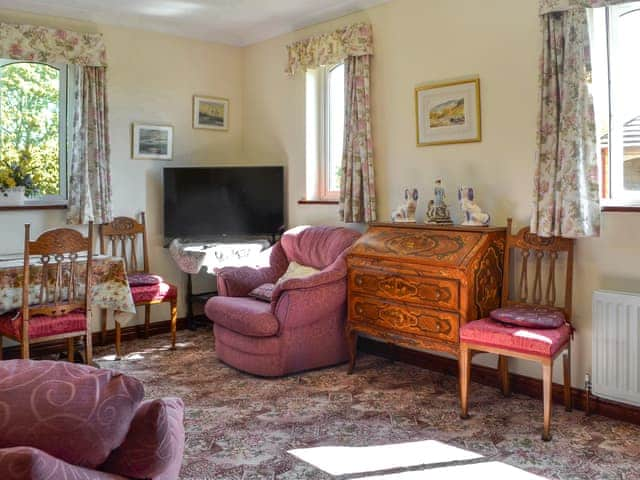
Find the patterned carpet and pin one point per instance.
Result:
(240, 427)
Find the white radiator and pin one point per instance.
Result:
(616, 346)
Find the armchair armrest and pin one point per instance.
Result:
(239, 281)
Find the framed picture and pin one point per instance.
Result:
(211, 113)
(152, 142)
(448, 112)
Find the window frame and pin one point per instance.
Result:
(318, 135)
(64, 133)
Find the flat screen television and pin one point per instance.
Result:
(206, 203)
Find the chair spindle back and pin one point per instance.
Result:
(545, 255)
(122, 237)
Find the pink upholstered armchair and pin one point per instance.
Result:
(303, 326)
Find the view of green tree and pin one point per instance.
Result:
(29, 123)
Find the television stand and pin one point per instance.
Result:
(192, 257)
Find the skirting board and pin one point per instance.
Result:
(480, 374)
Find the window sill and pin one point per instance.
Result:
(620, 208)
(34, 206)
(317, 202)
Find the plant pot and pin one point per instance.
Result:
(10, 197)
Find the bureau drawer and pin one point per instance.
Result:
(429, 291)
(407, 319)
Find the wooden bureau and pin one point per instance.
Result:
(415, 285)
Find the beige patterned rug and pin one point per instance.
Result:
(387, 421)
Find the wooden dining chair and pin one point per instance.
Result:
(59, 307)
(536, 327)
(126, 237)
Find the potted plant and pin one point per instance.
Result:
(18, 179)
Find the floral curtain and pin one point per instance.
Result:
(566, 195)
(357, 183)
(548, 6)
(50, 45)
(90, 182)
(351, 41)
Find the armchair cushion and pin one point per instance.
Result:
(26, 463)
(243, 315)
(99, 404)
(154, 444)
(531, 316)
(264, 292)
(296, 270)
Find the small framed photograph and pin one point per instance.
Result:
(211, 113)
(448, 112)
(152, 142)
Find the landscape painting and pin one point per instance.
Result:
(448, 112)
(152, 142)
(211, 113)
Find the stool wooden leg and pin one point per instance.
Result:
(118, 349)
(147, 320)
(174, 322)
(88, 348)
(103, 326)
(70, 349)
(352, 344)
(546, 397)
(505, 381)
(566, 362)
(464, 364)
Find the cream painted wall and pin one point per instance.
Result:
(151, 78)
(417, 41)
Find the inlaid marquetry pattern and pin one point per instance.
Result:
(488, 280)
(438, 292)
(406, 319)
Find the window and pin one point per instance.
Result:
(616, 87)
(33, 126)
(325, 131)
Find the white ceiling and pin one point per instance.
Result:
(233, 22)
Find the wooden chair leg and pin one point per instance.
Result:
(118, 349)
(147, 320)
(566, 363)
(70, 349)
(546, 398)
(505, 380)
(352, 344)
(88, 348)
(1, 347)
(24, 349)
(174, 323)
(103, 326)
(464, 365)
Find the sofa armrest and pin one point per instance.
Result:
(239, 281)
(154, 445)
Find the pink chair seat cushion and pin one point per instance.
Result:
(243, 315)
(42, 325)
(264, 292)
(531, 316)
(143, 279)
(154, 444)
(26, 463)
(541, 341)
(158, 292)
(75, 413)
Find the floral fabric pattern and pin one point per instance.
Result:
(90, 182)
(357, 182)
(193, 257)
(351, 41)
(548, 6)
(109, 287)
(51, 45)
(566, 194)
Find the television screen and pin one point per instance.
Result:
(202, 203)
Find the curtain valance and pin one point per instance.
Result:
(548, 6)
(351, 41)
(51, 45)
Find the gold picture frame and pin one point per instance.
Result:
(448, 112)
(211, 113)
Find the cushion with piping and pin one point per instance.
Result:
(76, 413)
(296, 270)
(529, 316)
(264, 292)
(143, 279)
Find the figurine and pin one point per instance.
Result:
(473, 214)
(437, 210)
(406, 213)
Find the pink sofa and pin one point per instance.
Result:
(303, 326)
(60, 420)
